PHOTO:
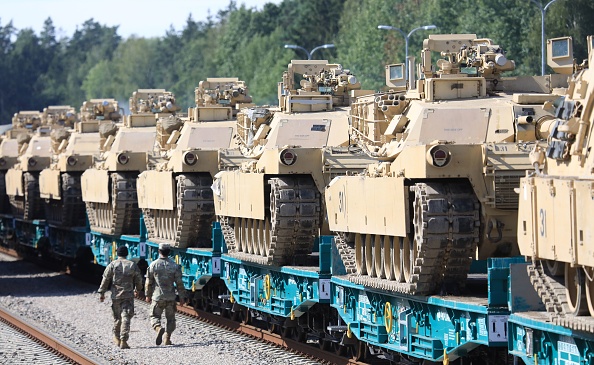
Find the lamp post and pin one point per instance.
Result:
(543, 11)
(309, 53)
(406, 37)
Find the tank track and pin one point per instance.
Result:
(552, 292)
(70, 210)
(28, 206)
(189, 224)
(447, 224)
(121, 214)
(295, 206)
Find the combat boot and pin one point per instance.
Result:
(124, 344)
(116, 341)
(160, 330)
(167, 339)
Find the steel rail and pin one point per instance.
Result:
(297, 347)
(44, 338)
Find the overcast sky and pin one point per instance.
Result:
(144, 18)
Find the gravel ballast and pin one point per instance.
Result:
(71, 311)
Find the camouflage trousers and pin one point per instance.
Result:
(157, 308)
(123, 311)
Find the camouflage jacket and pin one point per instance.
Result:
(160, 277)
(124, 276)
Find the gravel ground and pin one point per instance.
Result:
(70, 309)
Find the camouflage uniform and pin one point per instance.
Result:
(124, 276)
(160, 277)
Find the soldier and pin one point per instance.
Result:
(124, 276)
(160, 279)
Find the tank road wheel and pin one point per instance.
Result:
(257, 232)
(408, 257)
(378, 250)
(370, 255)
(589, 273)
(266, 237)
(574, 285)
(360, 254)
(391, 256)
(554, 268)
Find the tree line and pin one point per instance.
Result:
(37, 70)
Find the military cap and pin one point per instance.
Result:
(122, 251)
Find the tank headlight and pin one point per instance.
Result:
(2, 161)
(71, 160)
(288, 157)
(123, 158)
(190, 158)
(438, 156)
(32, 162)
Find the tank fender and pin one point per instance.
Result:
(156, 190)
(14, 182)
(49, 184)
(368, 205)
(239, 194)
(95, 186)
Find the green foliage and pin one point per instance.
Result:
(38, 70)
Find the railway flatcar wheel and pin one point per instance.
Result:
(246, 317)
(360, 254)
(339, 349)
(575, 291)
(357, 351)
(589, 273)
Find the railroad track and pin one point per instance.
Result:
(289, 351)
(52, 345)
(274, 339)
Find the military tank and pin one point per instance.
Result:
(34, 149)
(449, 154)
(175, 194)
(109, 187)
(24, 122)
(555, 228)
(270, 208)
(73, 145)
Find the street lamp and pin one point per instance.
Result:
(406, 37)
(309, 53)
(542, 32)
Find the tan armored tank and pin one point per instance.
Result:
(449, 154)
(109, 188)
(556, 207)
(24, 123)
(175, 195)
(73, 147)
(34, 148)
(271, 208)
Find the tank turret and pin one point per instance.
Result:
(449, 154)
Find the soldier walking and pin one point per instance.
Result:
(124, 276)
(161, 276)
